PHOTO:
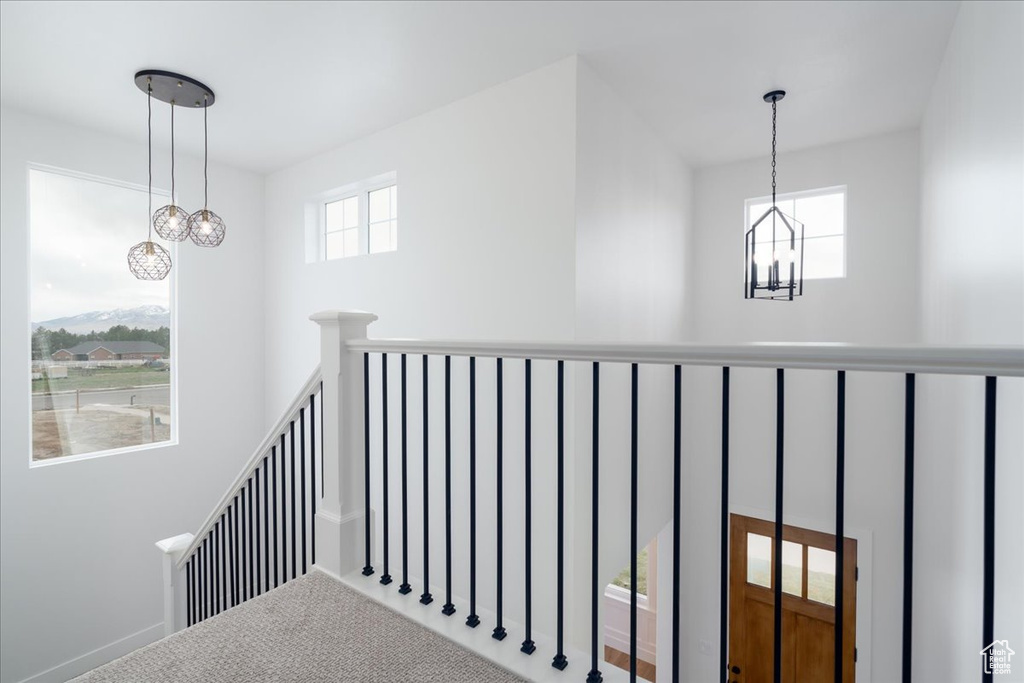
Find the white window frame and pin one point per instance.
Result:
(803, 194)
(362, 189)
(172, 248)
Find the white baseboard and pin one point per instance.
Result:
(98, 657)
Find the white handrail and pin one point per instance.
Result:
(1004, 361)
(301, 400)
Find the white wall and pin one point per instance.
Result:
(486, 200)
(972, 292)
(875, 303)
(79, 569)
(633, 208)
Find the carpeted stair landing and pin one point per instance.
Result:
(311, 629)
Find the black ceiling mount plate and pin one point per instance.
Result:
(773, 96)
(175, 88)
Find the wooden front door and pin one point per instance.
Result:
(808, 612)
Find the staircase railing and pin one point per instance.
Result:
(261, 531)
(354, 520)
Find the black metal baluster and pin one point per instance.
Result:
(426, 598)
(499, 632)
(188, 593)
(908, 521)
(838, 658)
(473, 620)
(302, 480)
(235, 567)
(266, 527)
(291, 481)
(528, 645)
(284, 512)
(677, 514)
(634, 466)
(723, 636)
(252, 549)
(560, 661)
(368, 567)
(595, 673)
(385, 578)
(215, 546)
(312, 479)
(204, 574)
(405, 588)
(988, 599)
(777, 578)
(273, 505)
(223, 571)
(321, 439)
(258, 583)
(449, 608)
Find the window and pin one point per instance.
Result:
(101, 354)
(359, 219)
(823, 213)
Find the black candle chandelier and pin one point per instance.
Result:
(774, 251)
(148, 260)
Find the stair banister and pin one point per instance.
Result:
(340, 516)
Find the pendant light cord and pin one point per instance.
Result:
(149, 131)
(206, 155)
(172, 154)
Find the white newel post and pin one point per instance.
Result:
(339, 519)
(174, 582)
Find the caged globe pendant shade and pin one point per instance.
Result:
(773, 248)
(204, 226)
(148, 260)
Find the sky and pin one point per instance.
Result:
(81, 232)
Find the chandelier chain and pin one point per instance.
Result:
(774, 107)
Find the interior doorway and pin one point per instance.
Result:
(808, 603)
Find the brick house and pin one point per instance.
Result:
(113, 350)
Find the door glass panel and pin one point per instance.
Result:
(759, 560)
(821, 575)
(792, 568)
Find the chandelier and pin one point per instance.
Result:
(774, 249)
(148, 260)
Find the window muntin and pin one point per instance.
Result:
(361, 218)
(383, 219)
(102, 368)
(342, 227)
(823, 213)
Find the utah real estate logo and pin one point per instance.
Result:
(996, 657)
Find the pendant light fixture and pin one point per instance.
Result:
(205, 227)
(774, 244)
(148, 260)
(171, 221)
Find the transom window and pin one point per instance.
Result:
(360, 219)
(823, 213)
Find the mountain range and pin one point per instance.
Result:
(149, 317)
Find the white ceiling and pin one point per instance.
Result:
(296, 78)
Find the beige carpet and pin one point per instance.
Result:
(311, 629)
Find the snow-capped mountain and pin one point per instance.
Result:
(149, 317)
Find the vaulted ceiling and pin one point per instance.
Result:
(296, 78)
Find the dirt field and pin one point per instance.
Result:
(95, 428)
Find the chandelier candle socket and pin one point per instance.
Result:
(774, 244)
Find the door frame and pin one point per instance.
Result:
(865, 562)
